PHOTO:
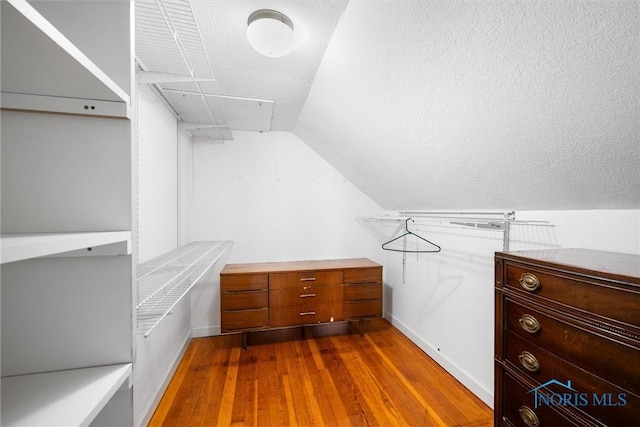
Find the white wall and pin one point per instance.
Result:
(205, 301)
(159, 147)
(277, 200)
(157, 177)
(446, 302)
(185, 188)
(606, 230)
(157, 357)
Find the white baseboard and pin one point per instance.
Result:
(469, 382)
(206, 331)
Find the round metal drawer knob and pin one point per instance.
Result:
(529, 323)
(529, 282)
(529, 361)
(528, 416)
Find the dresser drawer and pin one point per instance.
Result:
(296, 316)
(363, 275)
(518, 405)
(304, 278)
(611, 360)
(360, 309)
(233, 320)
(591, 295)
(598, 398)
(244, 300)
(306, 296)
(365, 291)
(244, 282)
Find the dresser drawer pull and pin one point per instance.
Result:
(308, 279)
(245, 291)
(529, 323)
(529, 361)
(528, 416)
(529, 282)
(307, 313)
(307, 295)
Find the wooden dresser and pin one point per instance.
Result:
(567, 338)
(282, 294)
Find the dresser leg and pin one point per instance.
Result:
(245, 335)
(360, 322)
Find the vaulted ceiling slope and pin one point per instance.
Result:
(468, 105)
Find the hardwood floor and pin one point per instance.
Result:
(328, 377)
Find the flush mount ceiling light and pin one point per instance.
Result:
(270, 33)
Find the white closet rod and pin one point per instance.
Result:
(492, 221)
(467, 216)
(506, 215)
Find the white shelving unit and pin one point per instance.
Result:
(22, 246)
(63, 398)
(47, 71)
(164, 281)
(67, 206)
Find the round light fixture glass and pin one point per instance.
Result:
(270, 33)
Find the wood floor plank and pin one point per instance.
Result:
(374, 395)
(291, 413)
(164, 406)
(348, 392)
(320, 378)
(437, 386)
(213, 392)
(190, 393)
(229, 389)
(263, 407)
(405, 398)
(432, 417)
(296, 375)
(245, 402)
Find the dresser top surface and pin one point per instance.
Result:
(617, 266)
(290, 266)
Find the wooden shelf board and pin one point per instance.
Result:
(66, 398)
(21, 246)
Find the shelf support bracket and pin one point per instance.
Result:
(185, 126)
(153, 77)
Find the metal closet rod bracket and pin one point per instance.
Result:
(498, 221)
(493, 221)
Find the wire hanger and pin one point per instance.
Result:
(407, 233)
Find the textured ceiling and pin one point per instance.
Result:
(244, 90)
(515, 105)
(429, 104)
(242, 72)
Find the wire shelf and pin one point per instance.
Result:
(164, 281)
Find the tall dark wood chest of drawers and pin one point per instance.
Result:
(567, 338)
(257, 296)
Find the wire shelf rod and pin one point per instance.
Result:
(452, 220)
(178, 255)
